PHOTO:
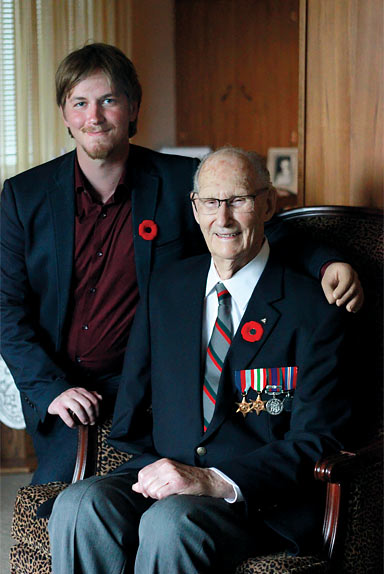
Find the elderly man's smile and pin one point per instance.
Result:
(227, 235)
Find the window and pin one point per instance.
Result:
(7, 85)
(35, 35)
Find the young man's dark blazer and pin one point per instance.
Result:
(37, 246)
(271, 458)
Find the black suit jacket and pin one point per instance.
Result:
(37, 246)
(271, 458)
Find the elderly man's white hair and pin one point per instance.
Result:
(257, 161)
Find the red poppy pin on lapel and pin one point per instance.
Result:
(148, 229)
(252, 331)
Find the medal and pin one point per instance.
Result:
(274, 381)
(258, 405)
(244, 407)
(274, 406)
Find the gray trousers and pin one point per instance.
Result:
(100, 526)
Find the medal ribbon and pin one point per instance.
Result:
(277, 379)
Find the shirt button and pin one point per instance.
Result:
(77, 359)
(92, 290)
(201, 450)
(99, 254)
(85, 327)
(104, 215)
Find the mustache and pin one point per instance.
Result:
(94, 130)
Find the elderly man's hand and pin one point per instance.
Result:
(165, 477)
(341, 285)
(76, 405)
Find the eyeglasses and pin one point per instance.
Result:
(236, 203)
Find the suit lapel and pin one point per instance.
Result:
(61, 198)
(241, 353)
(145, 187)
(187, 337)
(260, 309)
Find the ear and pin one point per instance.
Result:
(62, 110)
(195, 212)
(270, 204)
(133, 111)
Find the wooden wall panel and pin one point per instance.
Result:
(344, 123)
(152, 51)
(237, 72)
(16, 451)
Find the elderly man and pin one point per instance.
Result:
(231, 391)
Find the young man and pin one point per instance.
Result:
(80, 236)
(232, 388)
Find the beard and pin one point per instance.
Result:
(99, 151)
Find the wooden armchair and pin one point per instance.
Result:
(352, 529)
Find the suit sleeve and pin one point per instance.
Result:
(299, 250)
(37, 376)
(132, 421)
(319, 419)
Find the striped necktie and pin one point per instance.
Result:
(216, 352)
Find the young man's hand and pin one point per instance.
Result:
(76, 405)
(341, 285)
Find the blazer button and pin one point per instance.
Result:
(201, 450)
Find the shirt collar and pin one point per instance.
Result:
(83, 186)
(242, 283)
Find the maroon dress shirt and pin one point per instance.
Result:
(105, 290)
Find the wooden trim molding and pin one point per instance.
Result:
(331, 210)
(302, 96)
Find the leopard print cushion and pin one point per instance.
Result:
(283, 563)
(31, 531)
(26, 527)
(27, 560)
(108, 458)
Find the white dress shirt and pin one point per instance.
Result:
(240, 286)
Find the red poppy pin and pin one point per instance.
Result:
(148, 229)
(252, 331)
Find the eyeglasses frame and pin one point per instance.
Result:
(259, 192)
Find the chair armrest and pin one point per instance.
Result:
(334, 470)
(343, 465)
(82, 452)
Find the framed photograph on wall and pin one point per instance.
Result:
(282, 165)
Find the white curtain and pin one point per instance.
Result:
(43, 32)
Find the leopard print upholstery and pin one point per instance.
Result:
(32, 550)
(360, 235)
(108, 458)
(283, 563)
(26, 527)
(364, 524)
(27, 560)
(361, 238)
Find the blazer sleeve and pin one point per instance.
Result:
(132, 420)
(300, 251)
(37, 376)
